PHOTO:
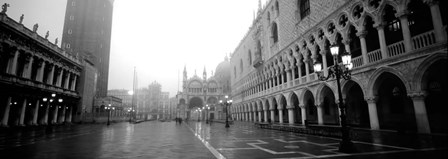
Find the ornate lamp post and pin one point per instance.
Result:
(132, 105)
(226, 104)
(339, 71)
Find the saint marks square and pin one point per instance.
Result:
(223, 79)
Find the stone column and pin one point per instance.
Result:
(299, 68)
(323, 53)
(278, 77)
(6, 113)
(67, 80)
(303, 113)
(382, 38)
(293, 74)
(290, 114)
(75, 77)
(420, 113)
(35, 113)
(307, 70)
(22, 113)
(40, 72)
(255, 116)
(373, 114)
(288, 77)
(50, 76)
(62, 116)
(280, 114)
(265, 115)
(29, 68)
(437, 21)
(55, 115)
(259, 116)
(272, 115)
(69, 117)
(405, 29)
(59, 78)
(320, 115)
(362, 39)
(45, 118)
(13, 67)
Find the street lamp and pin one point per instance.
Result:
(339, 71)
(226, 103)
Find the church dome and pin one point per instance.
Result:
(222, 75)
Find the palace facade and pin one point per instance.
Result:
(399, 56)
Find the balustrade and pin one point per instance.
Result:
(374, 55)
(357, 61)
(395, 49)
(423, 40)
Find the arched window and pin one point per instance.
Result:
(274, 32)
(304, 8)
(241, 66)
(277, 8)
(393, 26)
(250, 57)
(419, 22)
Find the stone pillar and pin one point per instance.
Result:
(55, 115)
(362, 39)
(299, 68)
(255, 116)
(265, 115)
(278, 78)
(6, 113)
(293, 74)
(75, 77)
(50, 76)
(437, 21)
(40, 72)
(373, 114)
(323, 53)
(280, 115)
(290, 114)
(307, 70)
(45, 118)
(259, 116)
(406, 32)
(13, 67)
(29, 68)
(35, 113)
(62, 116)
(59, 78)
(288, 77)
(67, 80)
(69, 117)
(382, 38)
(22, 113)
(420, 113)
(320, 115)
(303, 113)
(272, 115)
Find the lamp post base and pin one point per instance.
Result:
(227, 125)
(347, 146)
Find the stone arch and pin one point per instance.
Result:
(319, 90)
(372, 89)
(356, 106)
(294, 100)
(308, 102)
(418, 79)
(195, 102)
(182, 101)
(432, 78)
(394, 107)
(326, 100)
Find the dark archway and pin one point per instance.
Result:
(419, 22)
(275, 105)
(311, 114)
(372, 39)
(329, 108)
(297, 109)
(394, 107)
(392, 30)
(195, 102)
(267, 110)
(284, 110)
(357, 109)
(435, 84)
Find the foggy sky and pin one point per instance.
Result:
(158, 37)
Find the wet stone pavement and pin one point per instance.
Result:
(199, 140)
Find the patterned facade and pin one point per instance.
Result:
(399, 57)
